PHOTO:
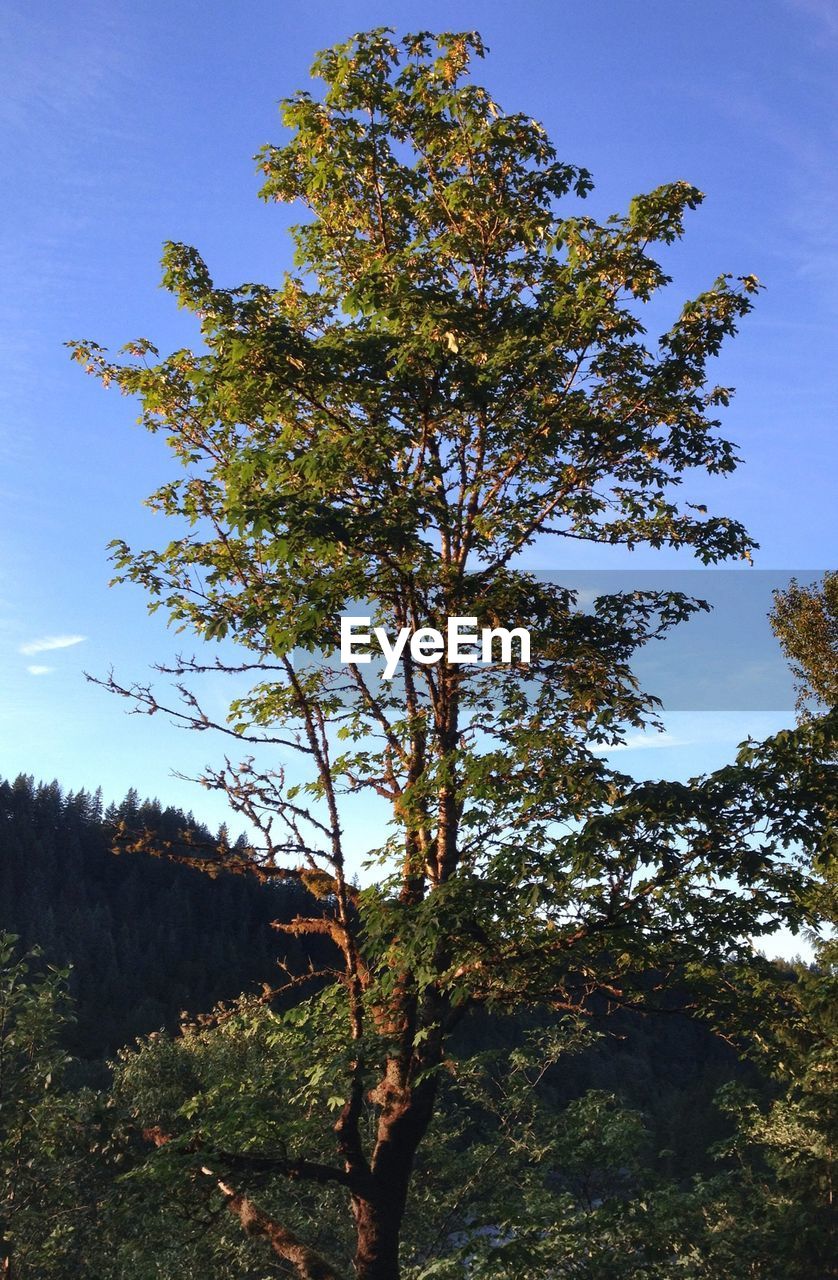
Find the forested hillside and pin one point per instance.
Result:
(145, 938)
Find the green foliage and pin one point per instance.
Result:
(46, 1173)
(805, 621)
(510, 1183)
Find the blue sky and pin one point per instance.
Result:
(123, 125)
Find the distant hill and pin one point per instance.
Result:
(146, 937)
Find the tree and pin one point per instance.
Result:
(457, 369)
(805, 621)
(43, 1130)
(798, 1136)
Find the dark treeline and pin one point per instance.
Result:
(145, 938)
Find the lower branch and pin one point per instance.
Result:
(307, 1264)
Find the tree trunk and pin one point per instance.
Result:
(379, 1210)
(377, 1243)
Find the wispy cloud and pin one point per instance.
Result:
(36, 670)
(50, 642)
(823, 12)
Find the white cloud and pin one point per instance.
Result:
(50, 642)
(36, 670)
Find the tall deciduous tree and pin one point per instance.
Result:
(457, 368)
